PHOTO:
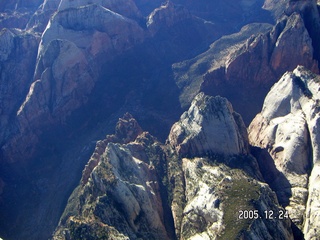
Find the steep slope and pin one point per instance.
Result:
(208, 127)
(287, 131)
(127, 185)
(17, 63)
(214, 168)
(239, 64)
(122, 198)
(64, 77)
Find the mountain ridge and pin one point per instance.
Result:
(66, 78)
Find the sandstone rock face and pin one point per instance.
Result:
(116, 31)
(208, 186)
(122, 194)
(40, 18)
(209, 126)
(64, 77)
(253, 64)
(213, 205)
(16, 14)
(99, 59)
(288, 128)
(311, 225)
(127, 130)
(269, 59)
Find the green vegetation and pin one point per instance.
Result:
(104, 172)
(88, 231)
(239, 195)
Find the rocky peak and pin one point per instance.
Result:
(122, 192)
(209, 126)
(66, 69)
(126, 193)
(127, 130)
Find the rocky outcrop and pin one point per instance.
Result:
(64, 75)
(212, 146)
(40, 18)
(269, 53)
(122, 197)
(125, 194)
(287, 128)
(127, 130)
(16, 14)
(269, 59)
(99, 59)
(214, 204)
(166, 16)
(209, 126)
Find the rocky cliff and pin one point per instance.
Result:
(121, 199)
(256, 60)
(286, 131)
(215, 167)
(126, 194)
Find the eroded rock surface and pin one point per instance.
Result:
(287, 128)
(122, 197)
(236, 65)
(125, 193)
(209, 126)
(211, 168)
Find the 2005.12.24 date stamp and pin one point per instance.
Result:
(266, 214)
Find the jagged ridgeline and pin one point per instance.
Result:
(181, 80)
(195, 186)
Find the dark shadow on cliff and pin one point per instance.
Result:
(277, 182)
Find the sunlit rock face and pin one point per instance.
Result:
(135, 187)
(213, 204)
(211, 167)
(127, 130)
(122, 193)
(209, 126)
(236, 64)
(288, 128)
